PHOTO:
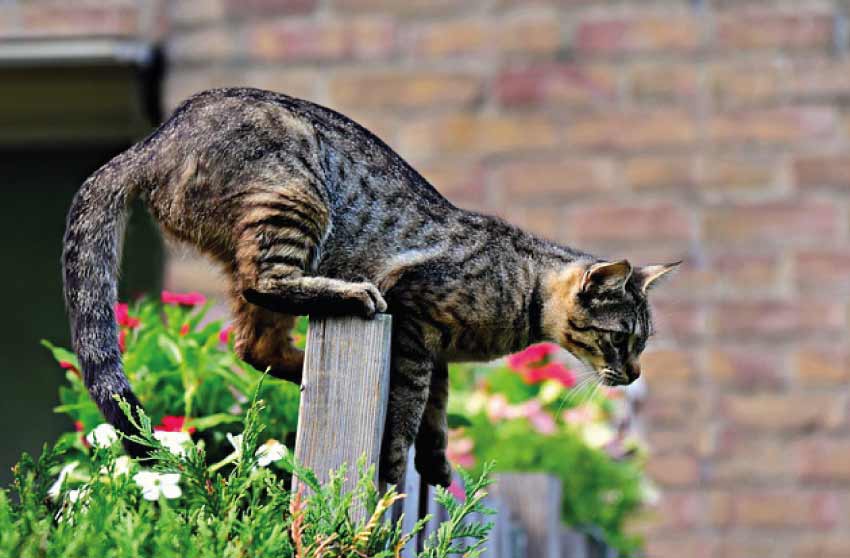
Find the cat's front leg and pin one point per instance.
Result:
(410, 378)
(431, 441)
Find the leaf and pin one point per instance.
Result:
(170, 349)
(457, 420)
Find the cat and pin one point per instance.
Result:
(310, 214)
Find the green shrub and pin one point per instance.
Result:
(529, 415)
(176, 506)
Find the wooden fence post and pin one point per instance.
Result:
(344, 389)
(534, 499)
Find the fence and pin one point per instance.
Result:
(343, 407)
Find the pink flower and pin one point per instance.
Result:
(79, 427)
(580, 415)
(184, 330)
(497, 407)
(224, 335)
(183, 299)
(535, 354)
(550, 371)
(540, 420)
(456, 490)
(122, 316)
(171, 423)
(459, 450)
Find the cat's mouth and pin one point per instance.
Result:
(611, 377)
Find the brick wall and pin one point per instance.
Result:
(65, 19)
(714, 131)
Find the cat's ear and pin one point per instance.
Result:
(649, 274)
(606, 276)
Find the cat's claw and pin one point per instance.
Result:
(370, 297)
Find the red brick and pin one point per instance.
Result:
(523, 34)
(206, 44)
(834, 545)
(745, 368)
(660, 173)
(668, 366)
(678, 320)
(690, 545)
(744, 458)
(818, 80)
(403, 90)
(664, 81)
(777, 319)
(463, 183)
(483, 135)
(784, 413)
(801, 29)
(823, 171)
(56, 19)
(556, 84)
(198, 11)
(674, 470)
(823, 270)
(822, 365)
(630, 223)
(412, 8)
(787, 509)
(740, 174)
(249, 8)
(546, 181)
(735, 85)
(628, 35)
(633, 130)
(774, 127)
(772, 223)
(305, 40)
(677, 407)
(302, 83)
(823, 460)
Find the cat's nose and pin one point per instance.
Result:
(633, 370)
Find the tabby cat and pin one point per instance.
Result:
(309, 213)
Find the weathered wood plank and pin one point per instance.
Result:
(534, 499)
(573, 544)
(344, 392)
(410, 505)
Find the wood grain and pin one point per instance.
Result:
(344, 392)
(534, 500)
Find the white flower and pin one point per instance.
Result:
(236, 442)
(122, 467)
(270, 452)
(597, 435)
(175, 442)
(154, 485)
(72, 498)
(103, 436)
(56, 488)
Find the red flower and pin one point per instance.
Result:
(78, 426)
(533, 355)
(122, 340)
(65, 365)
(224, 335)
(183, 299)
(184, 329)
(171, 423)
(550, 371)
(122, 316)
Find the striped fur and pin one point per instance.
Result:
(309, 213)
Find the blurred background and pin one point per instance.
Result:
(714, 131)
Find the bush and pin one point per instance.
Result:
(175, 505)
(529, 415)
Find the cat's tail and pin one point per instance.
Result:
(91, 256)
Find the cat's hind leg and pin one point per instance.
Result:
(410, 377)
(262, 338)
(432, 439)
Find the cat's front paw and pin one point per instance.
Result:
(370, 299)
(434, 468)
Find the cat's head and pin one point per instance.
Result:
(599, 312)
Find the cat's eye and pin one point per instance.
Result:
(618, 337)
